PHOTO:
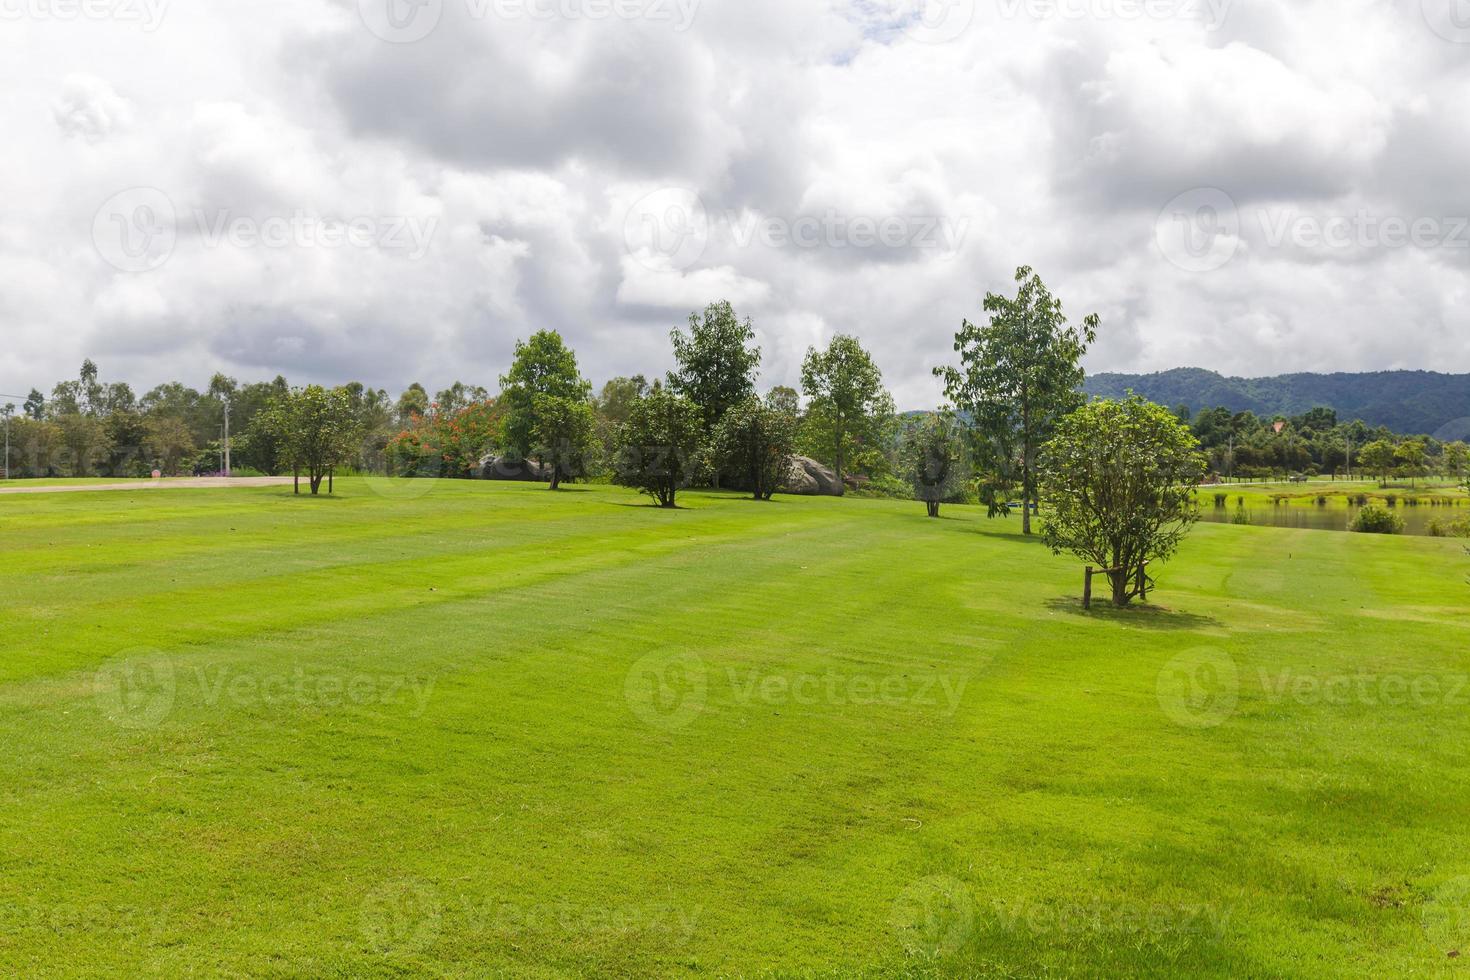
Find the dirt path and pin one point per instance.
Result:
(175, 483)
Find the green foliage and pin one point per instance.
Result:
(565, 429)
(936, 463)
(1379, 457)
(315, 430)
(659, 446)
(1119, 480)
(1018, 375)
(754, 442)
(543, 365)
(850, 414)
(717, 362)
(1376, 520)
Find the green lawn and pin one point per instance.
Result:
(491, 731)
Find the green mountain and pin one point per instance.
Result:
(1405, 401)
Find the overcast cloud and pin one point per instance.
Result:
(396, 190)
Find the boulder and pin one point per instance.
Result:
(809, 478)
(510, 468)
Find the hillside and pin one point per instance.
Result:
(1405, 401)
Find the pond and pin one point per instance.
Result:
(1335, 515)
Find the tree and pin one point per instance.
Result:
(564, 433)
(717, 362)
(934, 456)
(1018, 376)
(414, 402)
(1378, 457)
(658, 447)
(35, 406)
(784, 399)
(755, 441)
(543, 365)
(1456, 457)
(847, 394)
(168, 442)
(612, 406)
(1119, 480)
(315, 430)
(1411, 454)
(85, 440)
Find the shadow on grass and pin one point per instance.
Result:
(1140, 615)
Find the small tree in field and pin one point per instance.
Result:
(1118, 479)
(1379, 457)
(658, 447)
(315, 429)
(935, 459)
(755, 441)
(564, 431)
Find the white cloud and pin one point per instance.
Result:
(519, 146)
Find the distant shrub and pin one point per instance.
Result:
(1321, 501)
(1376, 520)
(1241, 516)
(1221, 498)
(1391, 501)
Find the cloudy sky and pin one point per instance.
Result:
(395, 190)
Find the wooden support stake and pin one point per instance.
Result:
(1087, 590)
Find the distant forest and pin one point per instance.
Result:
(1407, 402)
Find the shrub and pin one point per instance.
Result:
(1376, 520)
(1221, 498)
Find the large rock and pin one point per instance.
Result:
(809, 478)
(518, 470)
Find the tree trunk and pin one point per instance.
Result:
(331, 475)
(555, 477)
(933, 508)
(296, 475)
(1119, 579)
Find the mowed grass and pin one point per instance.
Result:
(485, 730)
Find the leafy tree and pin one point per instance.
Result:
(565, 429)
(1379, 457)
(459, 396)
(717, 362)
(847, 396)
(785, 399)
(755, 441)
(1411, 455)
(543, 365)
(168, 441)
(1018, 376)
(35, 406)
(1119, 480)
(612, 406)
(658, 447)
(414, 402)
(315, 430)
(934, 457)
(85, 440)
(1456, 457)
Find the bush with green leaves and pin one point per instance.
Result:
(936, 462)
(1119, 482)
(658, 448)
(1376, 520)
(562, 435)
(754, 442)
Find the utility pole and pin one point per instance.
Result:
(9, 411)
(1350, 457)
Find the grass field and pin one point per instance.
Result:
(484, 730)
